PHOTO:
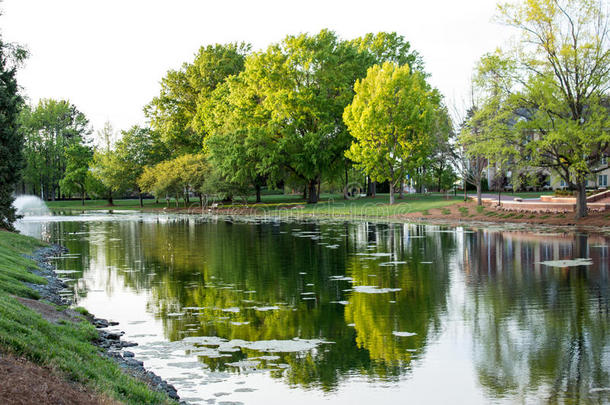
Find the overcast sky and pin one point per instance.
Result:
(107, 57)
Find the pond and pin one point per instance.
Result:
(305, 312)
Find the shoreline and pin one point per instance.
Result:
(109, 341)
(596, 222)
(458, 213)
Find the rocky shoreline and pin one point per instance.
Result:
(110, 342)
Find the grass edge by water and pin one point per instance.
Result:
(65, 348)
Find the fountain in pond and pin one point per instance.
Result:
(30, 205)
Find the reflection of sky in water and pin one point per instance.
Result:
(267, 313)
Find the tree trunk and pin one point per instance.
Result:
(402, 189)
(110, 200)
(82, 196)
(392, 191)
(479, 202)
(318, 191)
(200, 199)
(258, 193)
(346, 184)
(177, 200)
(465, 192)
(305, 192)
(313, 194)
(581, 200)
(141, 201)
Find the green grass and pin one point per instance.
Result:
(329, 204)
(445, 211)
(14, 267)
(376, 207)
(480, 209)
(66, 347)
(134, 204)
(463, 211)
(425, 212)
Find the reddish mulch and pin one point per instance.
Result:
(594, 219)
(23, 382)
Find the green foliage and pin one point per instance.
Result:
(65, 348)
(78, 158)
(14, 268)
(391, 117)
(11, 142)
(302, 86)
(388, 47)
(120, 168)
(174, 113)
(545, 103)
(50, 130)
(175, 177)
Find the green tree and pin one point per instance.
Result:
(546, 101)
(174, 113)
(176, 177)
(470, 156)
(137, 148)
(11, 143)
(103, 167)
(50, 129)
(78, 159)
(237, 145)
(302, 86)
(391, 119)
(388, 47)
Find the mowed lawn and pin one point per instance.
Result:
(329, 204)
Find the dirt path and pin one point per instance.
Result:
(23, 382)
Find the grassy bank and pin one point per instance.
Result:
(329, 204)
(63, 347)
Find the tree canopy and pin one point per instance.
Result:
(545, 100)
(391, 118)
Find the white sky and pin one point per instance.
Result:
(107, 57)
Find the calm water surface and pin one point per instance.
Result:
(274, 312)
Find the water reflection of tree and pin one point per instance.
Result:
(415, 308)
(214, 267)
(539, 332)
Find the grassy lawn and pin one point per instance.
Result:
(379, 206)
(63, 347)
(329, 204)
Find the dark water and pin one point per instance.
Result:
(347, 313)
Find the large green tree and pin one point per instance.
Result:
(546, 99)
(391, 119)
(77, 174)
(11, 142)
(121, 168)
(301, 87)
(50, 129)
(174, 113)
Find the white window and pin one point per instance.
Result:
(604, 160)
(562, 183)
(602, 180)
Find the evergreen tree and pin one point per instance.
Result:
(11, 143)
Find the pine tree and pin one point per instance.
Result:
(11, 142)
